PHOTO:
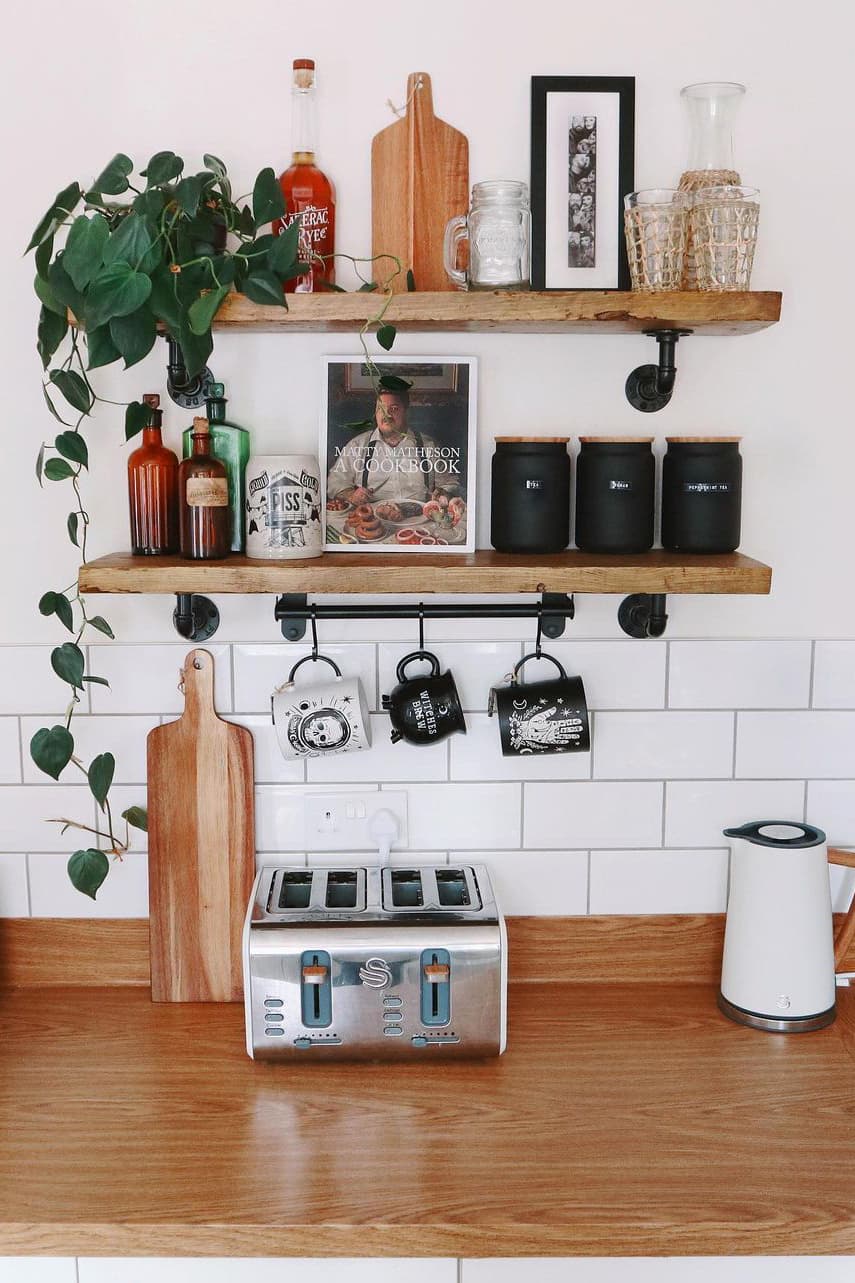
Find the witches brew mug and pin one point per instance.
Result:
(541, 717)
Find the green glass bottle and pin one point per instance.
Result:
(229, 444)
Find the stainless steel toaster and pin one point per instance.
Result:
(374, 964)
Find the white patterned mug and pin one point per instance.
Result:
(324, 718)
(283, 507)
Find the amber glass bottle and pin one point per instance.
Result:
(153, 491)
(204, 500)
(308, 192)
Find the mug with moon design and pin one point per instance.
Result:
(541, 717)
(324, 718)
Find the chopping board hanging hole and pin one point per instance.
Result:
(419, 180)
(201, 845)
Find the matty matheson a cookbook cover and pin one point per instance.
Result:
(400, 467)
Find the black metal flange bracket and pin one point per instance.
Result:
(195, 617)
(553, 609)
(185, 391)
(643, 614)
(649, 387)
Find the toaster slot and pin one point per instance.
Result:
(295, 891)
(315, 989)
(342, 889)
(406, 887)
(451, 889)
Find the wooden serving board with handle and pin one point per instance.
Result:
(201, 846)
(419, 180)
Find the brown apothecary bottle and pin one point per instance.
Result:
(153, 491)
(203, 489)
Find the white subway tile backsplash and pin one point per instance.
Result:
(144, 679)
(270, 766)
(35, 1269)
(739, 674)
(10, 751)
(260, 669)
(664, 745)
(26, 808)
(696, 811)
(28, 684)
(464, 816)
(572, 816)
(365, 859)
(831, 807)
(834, 675)
(617, 674)
(475, 666)
(122, 894)
(477, 755)
(658, 881)
(280, 814)
(14, 902)
(535, 882)
(124, 737)
(383, 762)
(795, 745)
(265, 1270)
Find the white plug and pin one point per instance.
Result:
(383, 829)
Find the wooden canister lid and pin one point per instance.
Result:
(535, 440)
(616, 440)
(702, 440)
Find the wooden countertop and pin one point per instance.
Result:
(625, 1119)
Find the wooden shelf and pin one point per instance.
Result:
(547, 312)
(624, 1119)
(480, 572)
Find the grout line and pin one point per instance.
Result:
(522, 817)
(20, 722)
(664, 807)
(804, 809)
(667, 703)
(588, 888)
(812, 673)
(232, 677)
(735, 730)
(29, 889)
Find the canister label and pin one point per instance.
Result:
(706, 487)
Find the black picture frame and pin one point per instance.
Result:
(542, 87)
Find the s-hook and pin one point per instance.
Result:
(649, 387)
(314, 635)
(538, 652)
(421, 625)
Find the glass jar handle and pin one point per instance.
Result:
(456, 230)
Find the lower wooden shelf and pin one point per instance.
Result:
(484, 571)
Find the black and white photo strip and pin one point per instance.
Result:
(582, 212)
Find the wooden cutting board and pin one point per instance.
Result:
(419, 180)
(201, 846)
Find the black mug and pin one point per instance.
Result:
(541, 717)
(424, 709)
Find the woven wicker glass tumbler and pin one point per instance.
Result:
(656, 223)
(724, 222)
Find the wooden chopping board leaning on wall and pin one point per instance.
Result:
(419, 180)
(201, 846)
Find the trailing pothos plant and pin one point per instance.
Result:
(116, 261)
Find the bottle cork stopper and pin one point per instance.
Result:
(152, 399)
(201, 426)
(307, 64)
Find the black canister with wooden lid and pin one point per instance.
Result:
(530, 506)
(702, 494)
(615, 494)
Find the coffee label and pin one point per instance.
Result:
(623, 486)
(207, 492)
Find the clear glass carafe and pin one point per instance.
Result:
(712, 108)
(498, 228)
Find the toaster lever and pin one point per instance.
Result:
(437, 973)
(314, 975)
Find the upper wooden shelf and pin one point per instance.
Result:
(527, 312)
(480, 572)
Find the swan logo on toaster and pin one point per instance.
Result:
(376, 973)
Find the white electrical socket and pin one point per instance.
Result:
(340, 821)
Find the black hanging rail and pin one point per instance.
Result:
(553, 609)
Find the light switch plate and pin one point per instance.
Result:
(340, 821)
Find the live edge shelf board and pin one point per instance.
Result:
(480, 572)
(527, 312)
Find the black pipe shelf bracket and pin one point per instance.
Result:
(649, 387)
(553, 609)
(195, 617)
(189, 393)
(643, 614)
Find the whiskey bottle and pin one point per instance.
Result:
(153, 490)
(203, 489)
(309, 194)
(229, 444)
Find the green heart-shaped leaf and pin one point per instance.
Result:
(72, 446)
(134, 335)
(101, 348)
(53, 328)
(116, 291)
(64, 204)
(137, 817)
(138, 415)
(113, 179)
(71, 527)
(162, 168)
(133, 242)
(87, 870)
(100, 776)
(73, 388)
(267, 199)
(58, 470)
(264, 287)
(386, 336)
(67, 662)
(283, 253)
(84, 248)
(203, 311)
(98, 621)
(51, 750)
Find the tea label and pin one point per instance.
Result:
(706, 487)
(207, 492)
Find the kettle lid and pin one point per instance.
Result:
(780, 833)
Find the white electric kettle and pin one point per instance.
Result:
(778, 967)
